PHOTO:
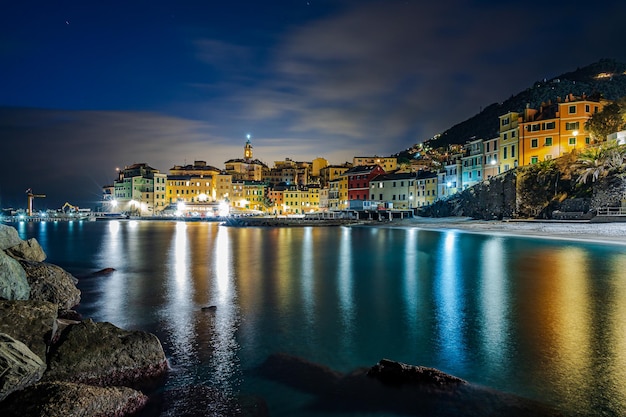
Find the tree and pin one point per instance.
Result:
(595, 163)
(609, 120)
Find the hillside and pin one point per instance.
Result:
(591, 80)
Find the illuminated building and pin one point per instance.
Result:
(140, 190)
(556, 129)
(247, 168)
(388, 164)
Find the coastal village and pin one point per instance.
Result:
(248, 186)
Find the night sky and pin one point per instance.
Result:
(89, 86)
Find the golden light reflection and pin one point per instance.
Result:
(562, 319)
(617, 327)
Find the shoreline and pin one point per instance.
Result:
(582, 231)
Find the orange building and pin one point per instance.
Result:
(555, 129)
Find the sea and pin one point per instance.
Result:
(543, 319)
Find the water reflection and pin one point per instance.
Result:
(494, 301)
(450, 308)
(345, 285)
(543, 319)
(224, 361)
(179, 311)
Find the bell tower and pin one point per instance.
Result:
(247, 150)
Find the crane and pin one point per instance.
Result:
(31, 197)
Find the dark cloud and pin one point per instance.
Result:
(70, 155)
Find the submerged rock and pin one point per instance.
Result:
(63, 399)
(398, 373)
(415, 391)
(103, 354)
(34, 323)
(51, 283)
(13, 282)
(19, 366)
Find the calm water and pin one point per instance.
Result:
(539, 318)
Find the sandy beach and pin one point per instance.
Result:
(614, 233)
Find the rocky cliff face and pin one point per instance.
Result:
(532, 192)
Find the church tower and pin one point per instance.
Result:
(247, 150)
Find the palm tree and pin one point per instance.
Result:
(598, 162)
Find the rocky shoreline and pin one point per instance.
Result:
(54, 363)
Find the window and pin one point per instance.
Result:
(587, 108)
(587, 140)
(572, 141)
(513, 134)
(571, 125)
(505, 136)
(550, 125)
(572, 109)
(548, 142)
(535, 127)
(534, 143)
(505, 121)
(504, 152)
(513, 151)
(534, 159)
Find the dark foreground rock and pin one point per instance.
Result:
(103, 354)
(31, 322)
(412, 391)
(63, 399)
(51, 283)
(19, 366)
(13, 282)
(29, 250)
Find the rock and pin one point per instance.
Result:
(29, 250)
(209, 308)
(398, 373)
(13, 282)
(102, 272)
(429, 394)
(103, 354)
(63, 399)
(34, 323)
(8, 237)
(300, 373)
(51, 283)
(19, 366)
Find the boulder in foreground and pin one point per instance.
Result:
(19, 366)
(103, 354)
(63, 399)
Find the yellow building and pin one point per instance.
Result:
(388, 164)
(338, 193)
(508, 141)
(556, 129)
(248, 195)
(332, 172)
(426, 188)
(189, 189)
